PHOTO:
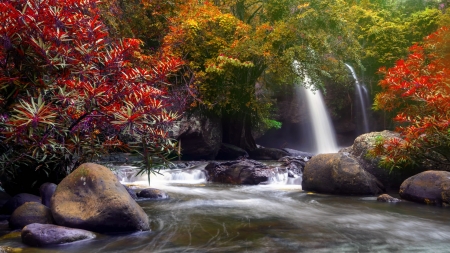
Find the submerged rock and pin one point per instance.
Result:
(152, 193)
(18, 200)
(46, 234)
(28, 213)
(430, 187)
(387, 198)
(247, 172)
(92, 198)
(338, 173)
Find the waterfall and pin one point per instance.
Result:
(362, 94)
(322, 132)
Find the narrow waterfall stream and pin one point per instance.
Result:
(363, 96)
(209, 217)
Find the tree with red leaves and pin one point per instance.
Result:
(418, 90)
(69, 91)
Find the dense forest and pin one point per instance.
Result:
(79, 78)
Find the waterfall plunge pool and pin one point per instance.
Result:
(277, 217)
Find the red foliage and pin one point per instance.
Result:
(65, 84)
(418, 89)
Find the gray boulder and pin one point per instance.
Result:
(246, 172)
(267, 154)
(152, 193)
(28, 213)
(360, 149)
(338, 174)
(430, 187)
(46, 191)
(230, 152)
(46, 234)
(18, 200)
(92, 198)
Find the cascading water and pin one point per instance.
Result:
(362, 94)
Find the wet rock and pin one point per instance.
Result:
(92, 198)
(430, 187)
(18, 200)
(5, 249)
(294, 163)
(267, 154)
(360, 148)
(46, 234)
(230, 152)
(339, 174)
(296, 153)
(46, 190)
(246, 172)
(152, 193)
(387, 198)
(28, 213)
(200, 136)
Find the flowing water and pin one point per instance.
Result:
(363, 97)
(207, 217)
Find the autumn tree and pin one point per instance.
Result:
(417, 89)
(69, 91)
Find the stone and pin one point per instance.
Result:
(387, 198)
(296, 153)
(267, 154)
(430, 187)
(245, 172)
(131, 192)
(152, 193)
(92, 198)
(230, 152)
(338, 173)
(38, 235)
(360, 148)
(200, 136)
(46, 191)
(28, 213)
(18, 200)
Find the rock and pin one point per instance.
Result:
(28, 213)
(429, 187)
(294, 162)
(267, 154)
(338, 174)
(131, 192)
(5, 249)
(46, 234)
(18, 200)
(200, 136)
(296, 153)
(387, 198)
(246, 172)
(230, 152)
(152, 193)
(360, 148)
(92, 198)
(46, 190)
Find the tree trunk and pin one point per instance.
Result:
(237, 130)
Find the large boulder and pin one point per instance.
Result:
(47, 234)
(28, 213)
(339, 174)
(18, 200)
(200, 136)
(92, 198)
(360, 148)
(245, 172)
(429, 187)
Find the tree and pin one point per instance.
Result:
(417, 88)
(68, 91)
(237, 64)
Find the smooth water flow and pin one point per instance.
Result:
(321, 126)
(362, 94)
